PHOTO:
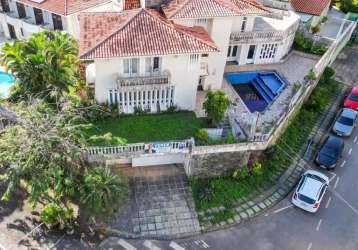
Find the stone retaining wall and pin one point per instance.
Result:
(216, 164)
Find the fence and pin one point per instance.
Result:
(141, 148)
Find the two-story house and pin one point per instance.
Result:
(21, 18)
(183, 45)
(143, 60)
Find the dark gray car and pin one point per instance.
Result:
(330, 152)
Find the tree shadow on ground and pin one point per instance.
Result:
(16, 201)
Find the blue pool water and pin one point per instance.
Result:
(257, 89)
(6, 81)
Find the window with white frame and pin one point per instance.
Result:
(201, 21)
(131, 66)
(268, 50)
(243, 24)
(193, 61)
(153, 64)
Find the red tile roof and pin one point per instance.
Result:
(139, 32)
(131, 4)
(312, 7)
(212, 8)
(64, 7)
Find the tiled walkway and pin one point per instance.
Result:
(161, 203)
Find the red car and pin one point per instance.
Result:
(351, 100)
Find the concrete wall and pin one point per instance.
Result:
(158, 159)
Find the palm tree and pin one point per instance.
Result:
(44, 66)
(101, 193)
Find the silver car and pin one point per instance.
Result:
(345, 122)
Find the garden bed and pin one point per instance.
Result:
(149, 128)
(227, 192)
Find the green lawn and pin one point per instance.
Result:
(146, 128)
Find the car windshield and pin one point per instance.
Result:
(329, 151)
(345, 121)
(353, 97)
(315, 177)
(306, 199)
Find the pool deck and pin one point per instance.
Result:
(293, 69)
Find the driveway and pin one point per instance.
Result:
(161, 203)
(346, 66)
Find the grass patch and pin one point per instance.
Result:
(226, 191)
(147, 128)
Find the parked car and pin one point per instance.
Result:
(330, 152)
(351, 101)
(345, 122)
(310, 191)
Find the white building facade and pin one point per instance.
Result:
(19, 19)
(242, 33)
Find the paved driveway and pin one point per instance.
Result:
(161, 203)
(346, 66)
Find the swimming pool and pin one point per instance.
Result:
(6, 81)
(257, 88)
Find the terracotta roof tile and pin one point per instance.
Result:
(312, 7)
(176, 9)
(139, 32)
(131, 4)
(64, 7)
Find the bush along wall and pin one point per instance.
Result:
(226, 191)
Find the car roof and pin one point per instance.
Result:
(334, 141)
(355, 89)
(349, 113)
(311, 187)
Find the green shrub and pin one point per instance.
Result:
(257, 169)
(324, 19)
(202, 137)
(315, 29)
(328, 73)
(215, 105)
(318, 49)
(106, 140)
(140, 111)
(241, 173)
(55, 216)
(172, 109)
(311, 75)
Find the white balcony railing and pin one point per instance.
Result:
(262, 36)
(159, 78)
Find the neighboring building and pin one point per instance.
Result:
(21, 18)
(311, 11)
(216, 32)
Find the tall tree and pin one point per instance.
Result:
(43, 151)
(215, 105)
(44, 66)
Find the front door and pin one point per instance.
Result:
(12, 31)
(251, 54)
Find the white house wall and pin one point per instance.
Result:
(220, 33)
(184, 80)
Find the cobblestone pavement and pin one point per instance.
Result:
(161, 203)
(346, 66)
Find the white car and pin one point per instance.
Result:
(310, 191)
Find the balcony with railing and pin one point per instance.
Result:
(143, 81)
(267, 30)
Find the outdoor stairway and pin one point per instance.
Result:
(225, 125)
(267, 85)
